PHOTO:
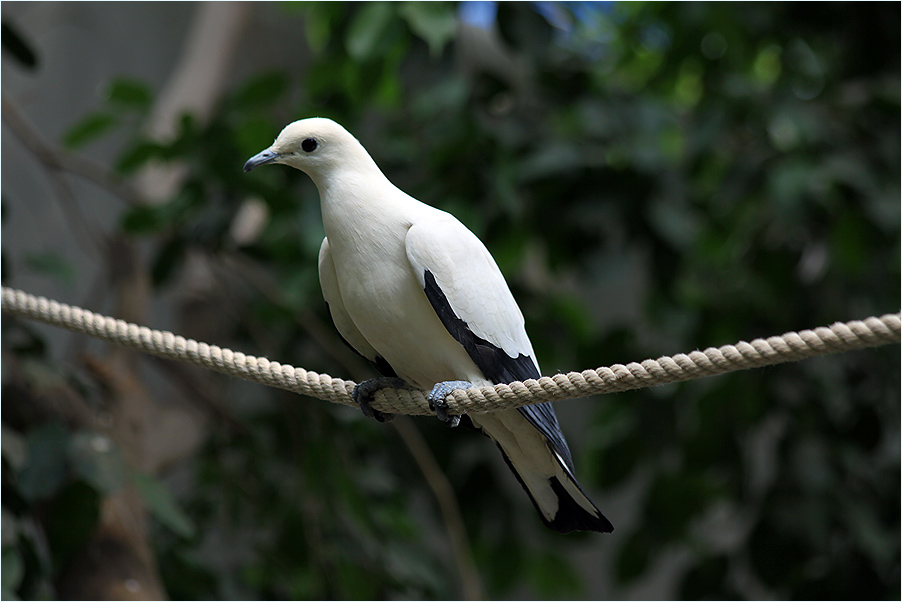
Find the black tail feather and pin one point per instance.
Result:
(570, 515)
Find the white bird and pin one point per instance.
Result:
(412, 290)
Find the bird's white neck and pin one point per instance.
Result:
(359, 200)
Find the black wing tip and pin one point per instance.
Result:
(495, 364)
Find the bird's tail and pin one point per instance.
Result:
(542, 465)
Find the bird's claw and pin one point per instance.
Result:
(436, 399)
(364, 392)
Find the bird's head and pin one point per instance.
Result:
(315, 146)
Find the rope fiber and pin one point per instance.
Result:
(789, 347)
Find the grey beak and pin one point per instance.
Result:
(267, 156)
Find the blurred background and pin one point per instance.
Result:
(651, 178)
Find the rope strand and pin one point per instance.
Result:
(789, 347)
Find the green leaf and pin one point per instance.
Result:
(675, 222)
(435, 22)
(139, 155)
(41, 376)
(162, 505)
(368, 30)
(14, 449)
(767, 66)
(52, 264)
(387, 92)
(45, 470)
(523, 28)
(554, 577)
(142, 219)
(317, 31)
(848, 242)
(674, 499)
(89, 128)
(262, 90)
(129, 93)
(320, 19)
(689, 86)
(168, 259)
(147, 219)
(10, 526)
(254, 134)
(71, 520)
(707, 581)
(13, 571)
(614, 467)
(775, 569)
(97, 460)
(633, 559)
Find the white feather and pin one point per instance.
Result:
(328, 280)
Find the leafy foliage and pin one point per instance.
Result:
(651, 178)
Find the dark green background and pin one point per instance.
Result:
(653, 179)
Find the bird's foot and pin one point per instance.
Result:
(436, 399)
(364, 394)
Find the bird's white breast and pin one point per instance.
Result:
(381, 293)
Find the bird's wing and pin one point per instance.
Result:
(469, 294)
(472, 299)
(328, 280)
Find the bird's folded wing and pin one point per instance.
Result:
(472, 299)
(469, 293)
(328, 280)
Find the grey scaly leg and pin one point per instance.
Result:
(364, 394)
(437, 402)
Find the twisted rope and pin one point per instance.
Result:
(789, 347)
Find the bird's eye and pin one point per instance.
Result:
(309, 145)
